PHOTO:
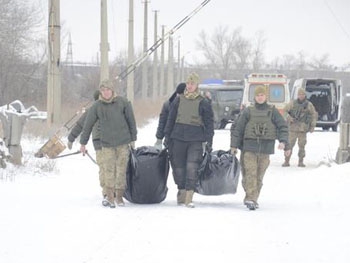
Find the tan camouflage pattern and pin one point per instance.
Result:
(114, 162)
(100, 171)
(253, 167)
(301, 137)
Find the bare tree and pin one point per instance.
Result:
(224, 50)
(17, 48)
(320, 63)
(258, 51)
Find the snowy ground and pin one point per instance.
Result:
(57, 216)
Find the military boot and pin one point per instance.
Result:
(301, 163)
(286, 161)
(119, 197)
(181, 197)
(188, 199)
(109, 197)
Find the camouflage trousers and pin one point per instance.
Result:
(301, 137)
(113, 163)
(254, 166)
(100, 171)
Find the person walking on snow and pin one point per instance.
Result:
(257, 128)
(190, 125)
(301, 117)
(117, 133)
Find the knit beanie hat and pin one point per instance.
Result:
(193, 77)
(301, 91)
(260, 90)
(106, 84)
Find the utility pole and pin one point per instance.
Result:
(130, 78)
(170, 85)
(178, 75)
(145, 48)
(54, 64)
(162, 89)
(155, 90)
(69, 57)
(104, 46)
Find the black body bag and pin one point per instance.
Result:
(218, 173)
(147, 175)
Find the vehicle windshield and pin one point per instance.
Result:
(276, 92)
(229, 95)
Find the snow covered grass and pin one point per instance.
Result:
(56, 216)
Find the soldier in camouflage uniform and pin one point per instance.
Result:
(301, 117)
(255, 132)
(117, 133)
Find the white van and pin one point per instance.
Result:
(326, 96)
(277, 89)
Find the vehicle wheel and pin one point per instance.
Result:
(325, 128)
(335, 127)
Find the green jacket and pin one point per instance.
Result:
(301, 116)
(238, 139)
(116, 121)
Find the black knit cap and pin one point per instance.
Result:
(180, 88)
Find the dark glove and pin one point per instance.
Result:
(208, 147)
(166, 142)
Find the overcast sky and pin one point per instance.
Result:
(315, 27)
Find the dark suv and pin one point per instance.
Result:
(226, 98)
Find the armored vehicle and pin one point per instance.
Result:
(226, 98)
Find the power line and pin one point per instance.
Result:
(337, 20)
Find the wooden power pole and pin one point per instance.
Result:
(145, 48)
(155, 89)
(54, 64)
(130, 77)
(104, 46)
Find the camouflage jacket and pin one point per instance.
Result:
(301, 116)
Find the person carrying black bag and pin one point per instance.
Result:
(190, 125)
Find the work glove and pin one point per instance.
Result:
(132, 145)
(69, 145)
(233, 150)
(166, 142)
(159, 144)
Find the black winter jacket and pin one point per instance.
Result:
(163, 117)
(191, 133)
